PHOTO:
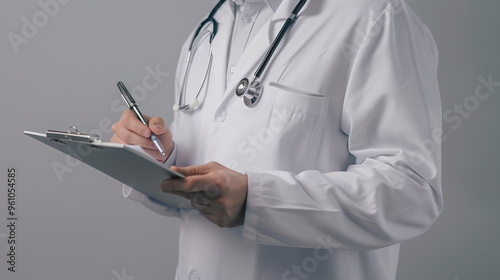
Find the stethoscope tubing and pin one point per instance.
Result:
(184, 81)
(288, 23)
(209, 19)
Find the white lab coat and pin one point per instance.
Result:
(342, 152)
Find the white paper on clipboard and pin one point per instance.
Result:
(125, 163)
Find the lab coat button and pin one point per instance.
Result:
(233, 69)
(194, 275)
(222, 116)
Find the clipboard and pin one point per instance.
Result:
(125, 163)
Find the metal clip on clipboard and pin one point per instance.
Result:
(72, 134)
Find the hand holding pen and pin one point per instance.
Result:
(152, 134)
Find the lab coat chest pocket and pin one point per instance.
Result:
(290, 133)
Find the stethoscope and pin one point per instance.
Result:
(250, 91)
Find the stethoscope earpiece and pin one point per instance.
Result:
(192, 105)
(251, 92)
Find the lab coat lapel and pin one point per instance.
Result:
(256, 50)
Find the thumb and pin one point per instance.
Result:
(158, 126)
(192, 170)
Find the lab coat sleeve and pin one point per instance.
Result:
(392, 116)
(154, 206)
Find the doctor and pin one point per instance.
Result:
(335, 165)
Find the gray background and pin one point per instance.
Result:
(77, 226)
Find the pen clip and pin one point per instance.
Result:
(72, 134)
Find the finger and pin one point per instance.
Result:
(132, 123)
(194, 183)
(197, 205)
(198, 201)
(116, 139)
(158, 127)
(183, 194)
(122, 135)
(200, 206)
(196, 170)
(213, 217)
(201, 200)
(172, 185)
(154, 153)
(176, 185)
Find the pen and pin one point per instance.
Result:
(133, 106)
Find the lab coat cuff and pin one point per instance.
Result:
(172, 157)
(253, 206)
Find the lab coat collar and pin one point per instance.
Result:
(280, 11)
(224, 11)
(273, 4)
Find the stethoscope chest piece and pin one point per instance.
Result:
(251, 92)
